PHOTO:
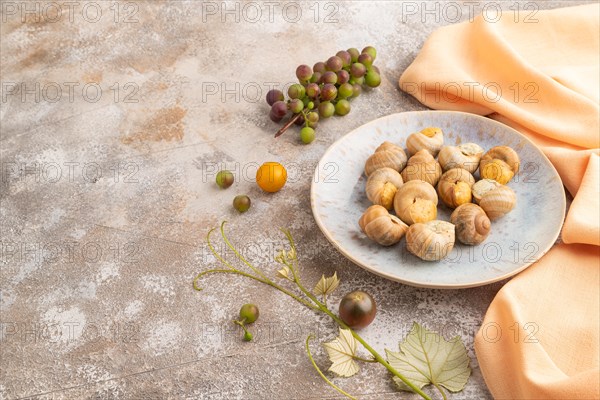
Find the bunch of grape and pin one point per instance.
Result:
(324, 90)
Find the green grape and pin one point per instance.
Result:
(242, 203)
(307, 134)
(313, 90)
(316, 77)
(345, 57)
(328, 92)
(224, 179)
(354, 53)
(342, 107)
(304, 73)
(365, 59)
(370, 50)
(346, 90)
(320, 67)
(310, 105)
(357, 90)
(372, 79)
(329, 77)
(249, 313)
(357, 81)
(357, 70)
(312, 117)
(296, 91)
(334, 63)
(326, 109)
(296, 106)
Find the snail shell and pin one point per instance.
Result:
(382, 186)
(382, 227)
(416, 201)
(472, 225)
(498, 202)
(422, 166)
(482, 187)
(454, 187)
(430, 241)
(386, 155)
(465, 156)
(500, 163)
(430, 139)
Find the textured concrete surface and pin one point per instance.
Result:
(114, 119)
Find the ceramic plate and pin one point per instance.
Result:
(516, 241)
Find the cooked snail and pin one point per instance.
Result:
(482, 187)
(382, 186)
(430, 139)
(386, 155)
(472, 225)
(454, 187)
(498, 202)
(416, 201)
(500, 163)
(422, 166)
(465, 156)
(430, 241)
(382, 227)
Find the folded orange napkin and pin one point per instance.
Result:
(540, 336)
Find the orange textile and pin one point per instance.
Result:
(543, 79)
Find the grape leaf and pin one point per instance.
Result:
(341, 352)
(426, 357)
(326, 286)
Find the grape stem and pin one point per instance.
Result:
(288, 124)
(305, 297)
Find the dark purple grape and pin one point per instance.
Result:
(274, 95)
(312, 90)
(365, 59)
(357, 70)
(329, 77)
(342, 77)
(320, 67)
(328, 92)
(334, 63)
(358, 309)
(370, 50)
(345, 57)
(354, 53)
(274, 117)
(279, 109)
(299, 121)
(304, 73)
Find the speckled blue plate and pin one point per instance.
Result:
(516, 241)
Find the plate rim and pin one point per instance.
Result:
(420, 284)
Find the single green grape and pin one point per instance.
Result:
(357, 90)
(370, 50)
(342, 107)
(296, 91)
(312, 117)
(307, 134)
(372, 78)
(357, 81)
(249, 313)
(346, 90)
(310, 105)
(326, 109)
(354, 53)
(242, 203)
(296, 106)
(248, 336)
(365, 59)
(224, 179)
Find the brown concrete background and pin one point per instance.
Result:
(106, 198)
